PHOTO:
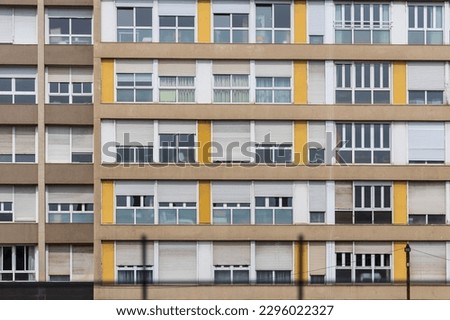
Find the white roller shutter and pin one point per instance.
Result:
(130, 254)
(226, 133)
(177, 68)
(185, 127)
(343, 247)
(231, 253)
(6, 193)
(230, 6)
(70, 194)
(373, 247)
(6, 139)
(278, 131)
(426, 76)
(426, 197)
(273, 68)
(317, 259)
(274, 256)
(134, 3)
(134, 66)
(177, 7)
(177, 262)
(6, 25)
(109, 141)
(344, 195)
(18, 71)
(69, 13)
(231, 67)
(134, 188)
(58, 147)
(317, 133)
(428, 262)
(316, 82)
(82, 263)
(231, 191)
(25, 204)
(24, 26)
(426, 141)
(316, 18)
(273, 189)
(132, 132)
(82, 140)
(80, 74)
(25, 140)
(58, 74)
(58, 260)
(317, 196)
(177, 191)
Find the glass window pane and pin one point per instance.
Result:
(416, 37)
(240, 276)
(363, 217)
(81, 26)
(381, 36)
(143, 17)
(381, 97)
(26, 85)
(264, 276)
(343, 36)
(240, 21)
(222, 276)
(59, 25)
(283, 216)
(144, 216)
(416, 97)
(240, 36)
(222, 36)
(434, 37)
(343, 96)
(317, 217)
(222, 21)
(264, 216)
(125, 216)
(125, 17)
(362, 36)
(167, 216)
(263, 36)
(241, 216)
(282, 15)
(435, 97)
(144, 95)
(221, 216)
(5, 84)
(282, 36)
(186, 21)
(185, 35)
(436, 219)
(25, 99)
(264, 16)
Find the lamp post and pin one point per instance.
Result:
(408, 275)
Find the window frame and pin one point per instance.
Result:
(426, 97)
(274, 89)
(29, 257)
(231, 88)
(174, 205)
(14, 93)
(129, 206)
(177, 89)
(70, 35)
(14, 147)
(273, 29)
(71, 212)
(274, 209)
(177, 149)
(71, 152)
(372, 208)
(177, 29)
(230, 29)
(274, 279)
(135, 269)
(425, 29)
(134, 28)
(354, 268)
(231, 208)
(231, 269)
(6, 212)
(134, 87)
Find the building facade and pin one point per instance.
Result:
(264, 149)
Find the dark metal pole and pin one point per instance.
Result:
(300, 269)
(408, 274)
(144, 265)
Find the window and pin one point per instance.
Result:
(273, 262)
(69, 85)
(362, 82)
(231, 140)
(359, 266)
(135, 209)
(18, 25)
(177, 148)
(231, 28)
(18, 204)
(177, 89)
(426, 203)
(426, 82)
(273, 276)
(176, 28)
(231, 88)
(134, 87)
(65, 144)
(70, 30)
(273, 210)
(317, 201)
(425, 24)
(231, 274)
(273, 90)
(134, 141)
(273, 142)
(363, 143)
(273, 23)
(6, 211)
(130, 269)
(425, 97)
(428, 262)
(362, 23)
(70, 263)
(134, 274)
(372, 204)
(177, 212)
(134, 24)
(71, 212)
(317, 142)
(17, 263)
(17, 85)
(17, 144)
(231, 213)
(426, 142)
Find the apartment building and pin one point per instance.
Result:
(264, 149)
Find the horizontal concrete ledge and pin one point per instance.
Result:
(279, 172)
(69, 55)
(272, 51)
(18, 54)
(18, 233)
(18, 3)
(69, 114)
(309, 232)
(69, 233)
(261, 292)
(70, 173)
(290, 112)
(13, 114)
(88, 3)
(16, 173)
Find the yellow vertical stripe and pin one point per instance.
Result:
(204, 21)
(300, 142)
(400, 203)
(399, 262)
(108, 261)
(107, 80)
(107, 202)
(205, 202)
(399, 83)
(204, 141)
(301, 262)
(300, 21)
(300, 82)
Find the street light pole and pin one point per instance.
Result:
(408, 274)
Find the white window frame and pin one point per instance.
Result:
(71, 94)
(70, 147)
(426, 100)
(434, 24)
(134, 28)
(231, 88)
(341, 24)
(4, 211)
(343, 68)
(273, 277)
(177, 88)
(177, 29)
(342, 145)
(128, 206)
(231, 207)
(13, 92)
(13, 150)
(70, 35)
(14, 272)
(274, 29)
(135, 269)
(177, 148)
(267, 206)
(273, 89)
(71, 211)
(231, 29)
(172, 206)
(231, 269)
(354, 268)
(133, 87)
(372, 208)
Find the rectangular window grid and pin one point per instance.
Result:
(17, 263)
(176, 28)
(17, 90)
(70, 30)
(231, 28)
(134, 274)
(232, 88)
(70, 92)
(273, 210)
(231, 274)
(177, 148)
(177, 89)
(425, 24)
(135, 209)
(134, 24)
(177, 213)
(134, 87)
(231, 213)
(363, 268)
(71, 213)
(273, 23)
(273, 90)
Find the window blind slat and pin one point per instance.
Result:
(316, 17)
(426, 197)
(177, 191)
(231, 67)
(134, 133)
(373, 247)
(6, 193)
(80, 74)
(428, 262)
(82, 139)
(230, 6)
(278, 131)
(426, 76)
(177, 68)
(177, 7)
(137, 188)
(184, 127)
(58, 144)
(274, 256)
(24, 25)
(426, 141)
(130, 253)
(273, 189)
(134, 66)
(82, 263)
(5, 140)
(177, 262)
(58, 260)
(231, 253)
(70, 194)
(226, 133)
(6, 28)
(25, 140)
(273, 68)
(58, 74)
(25, 203)
(316, 82)
(317, 132)
(344, 195)
(231, 191)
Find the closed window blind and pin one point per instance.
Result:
(25, 140)
(274, 256)
(426, 142)
(134, 66)
(428, 262)
(426, 197)
(230, 6)
(231, 137)
(317, 196)
(58, 149)
(231, 67)
(59, 260)
(316, 17)
(316, 82)
(177, 7)
(230, 191)
(344, 195)
(317, 133)
(317, 259)
(136, 188)
(129, 133)
(6, 140)
(183, 127)
(231, 253)
(70, 194)
(177, 262)
(6, 25)
(273, 68)
(426, 76)
(82, 139)
(273, 131)
(273, 189)
(177, 68)
(82, 263)
(130, 254)
(177, 191)
(25, 204)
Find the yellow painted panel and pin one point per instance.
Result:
(204, 21)
(108, 261)
(107, 80)
(300, 21)
(301, 262)
(400, 202)
(399, 262)
(399, 85)
(204, 141)
(205, 202)
(300, 142)
(107, 202)
(300, 82)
